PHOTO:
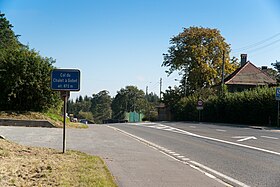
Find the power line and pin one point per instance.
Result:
(256, 44)
(257, 49)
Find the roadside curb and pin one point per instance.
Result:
(25, 123)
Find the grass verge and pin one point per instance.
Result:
(30, 166)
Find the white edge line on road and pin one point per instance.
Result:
(188, 162)
(219, 174)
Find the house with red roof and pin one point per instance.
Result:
(248, 76)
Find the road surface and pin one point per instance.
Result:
(241, 156)
(132, 162)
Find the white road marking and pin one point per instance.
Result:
(221, 130)
(193, 127)
(181, 156)
(188, 162)
(224, 141)
(219, 174)
(244, 138)
(270, 137)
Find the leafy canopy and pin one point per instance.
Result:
(128, 99)
(197, 53)
(101, 106)
(24, 75)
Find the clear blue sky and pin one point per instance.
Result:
(116, 43)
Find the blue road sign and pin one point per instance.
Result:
(278, 94)
(65, 80)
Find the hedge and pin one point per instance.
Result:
(257, 106)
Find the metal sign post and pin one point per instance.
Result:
(65, 80)
(64, 95)
(199, 107)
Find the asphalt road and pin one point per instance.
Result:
(132, 162)
(241, 155)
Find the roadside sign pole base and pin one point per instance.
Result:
(64, 121)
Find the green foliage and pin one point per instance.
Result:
(24, 75)
(85, 115)
(8, 40)
(197, 53)
(101, 106)
(257, 106)
(171, 97)
(276, 65)
(26, 81)
(128, 99)
(81, 104)
(186, 109)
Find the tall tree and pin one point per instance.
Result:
(81, 105)
(197, 53)
(25, 80)
(8, 39)
(101, 106)
(276, 65)
(24, 74)
(128, 99)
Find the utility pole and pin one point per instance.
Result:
(223, 73)
(160, 86)
(185, 90)
(146, 90)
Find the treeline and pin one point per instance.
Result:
(102, 106)
(257, 106)
(24, 74)
(202, 57)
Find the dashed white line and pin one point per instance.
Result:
(207, 171)
(181, 156)
(270, 137)
(193, 127)
(221, 130)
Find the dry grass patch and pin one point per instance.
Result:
(29, 166)
(55, 119)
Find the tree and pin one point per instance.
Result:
(128, 99)
(171, 97)
(152, 98)
(8, 39)
(101, 106)
(81, 108)
(197, 53)
(24, 75)
(25, 81)
(276, 75)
